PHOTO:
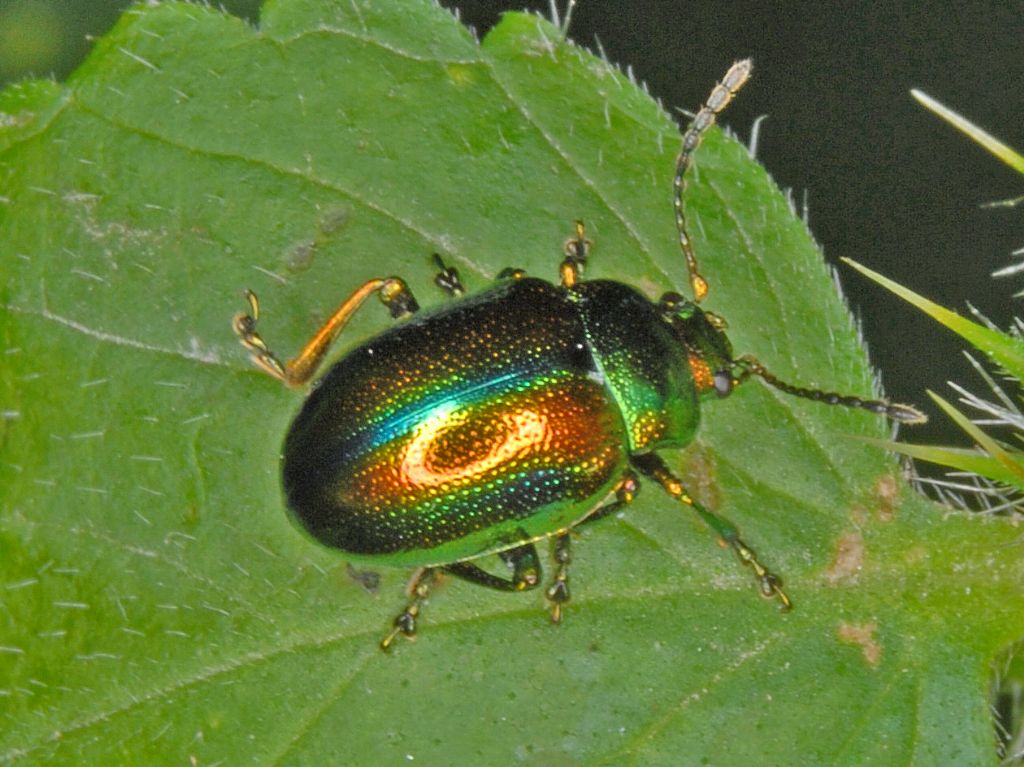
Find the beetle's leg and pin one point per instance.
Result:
(405, 623)
(577, 249)
(558, 592)
(652, 466)
(298, 370)
(625, 492)
(447, 278)
(525, 570)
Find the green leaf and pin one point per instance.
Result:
(157, 605)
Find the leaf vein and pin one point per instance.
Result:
(317, 713)
(434, 240)
(206, 358)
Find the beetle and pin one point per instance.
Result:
(511, 416)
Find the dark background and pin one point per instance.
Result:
(885, 182)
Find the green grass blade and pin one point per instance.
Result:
(993, 448)
(960, 460)
(981, 137)
(1004, 350)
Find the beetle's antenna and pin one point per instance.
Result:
(903, 413)
(719, 99)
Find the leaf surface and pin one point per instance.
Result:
(157, 604)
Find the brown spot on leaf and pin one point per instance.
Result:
(653, 290)
(334, 220)
(848, 558)
(862, 634)
(886, 492)
(700, 476)
(300, 256)
(858, 515)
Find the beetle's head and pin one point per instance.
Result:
(715, 369)
(702, 334)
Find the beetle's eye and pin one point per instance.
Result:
(723, 383)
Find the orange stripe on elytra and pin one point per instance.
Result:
(523, 431)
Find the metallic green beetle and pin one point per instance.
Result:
(510, 416)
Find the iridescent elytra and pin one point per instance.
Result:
(512, 415)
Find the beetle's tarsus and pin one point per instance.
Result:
(447, 278)
(577, 250)
(770, 583)
(558, 592)
(244, 326)
(405, 622)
